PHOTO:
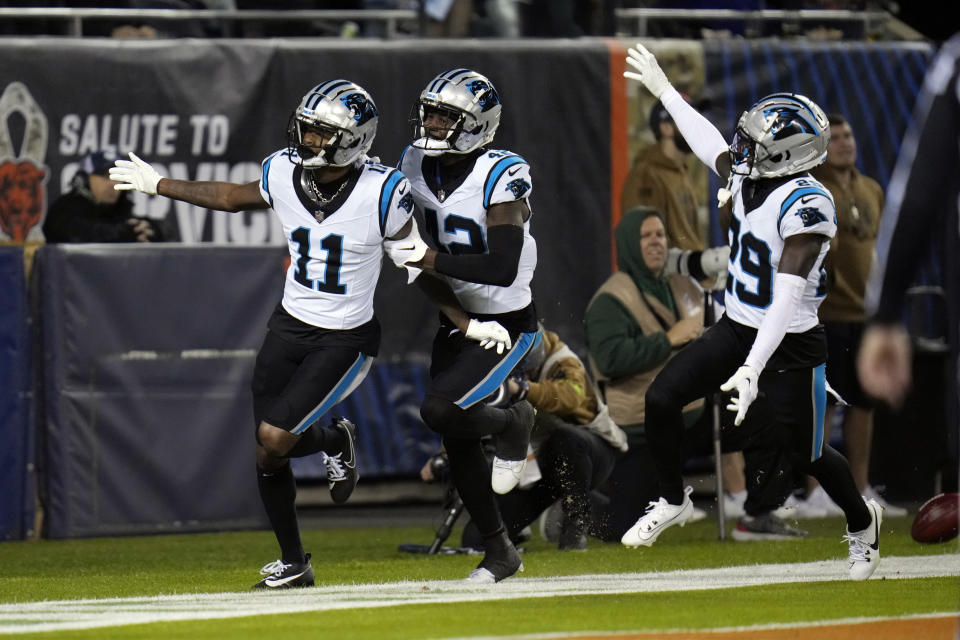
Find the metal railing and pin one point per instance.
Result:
(76, 18)
(636, 22)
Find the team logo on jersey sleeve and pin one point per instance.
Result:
(518, 187)
(406, 202)
(811, 216)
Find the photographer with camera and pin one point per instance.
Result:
(575, 443)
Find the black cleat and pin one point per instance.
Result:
(500, 561)
(342, 473)
(286, 576)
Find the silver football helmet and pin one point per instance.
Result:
(469, 100)
(341, 111)
(783, 134)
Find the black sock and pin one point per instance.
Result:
(833, 473)
(278, 491)
(315, 439)
(471, 477)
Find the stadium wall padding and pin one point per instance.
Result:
(16, 436)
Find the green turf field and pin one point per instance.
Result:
(229, 562)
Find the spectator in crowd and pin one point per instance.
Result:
(660, 178)
(859, 203)
(770, 323)
(476, 206)
(320, 343)
(922, 204)
(93, 211)
(639, 319)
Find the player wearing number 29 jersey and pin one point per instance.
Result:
(764, 215)
(769, 339)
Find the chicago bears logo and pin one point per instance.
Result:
(362, 109)
(811, 216)
(518, 187)
(22, 176)
(488, 95)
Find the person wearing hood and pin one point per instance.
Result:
(638, 320)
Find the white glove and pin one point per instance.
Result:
(489, 334)
(714, 261)
(676, 262)
(648, 73)
(745, 382)
(411, 248)
(135, 174)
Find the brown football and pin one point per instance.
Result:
(937, 519)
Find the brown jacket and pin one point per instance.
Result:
(660, 182)
(859, 204)
(626, 396)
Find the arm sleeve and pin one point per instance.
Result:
(704, 139)
(618, 346)
(787, 292)
(923, 188)
(498, 266)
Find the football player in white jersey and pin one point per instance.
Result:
(339, 211)
(770, 338)
(475, 204)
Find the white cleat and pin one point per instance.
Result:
(506, 474)
(865, 545)
(659, 516)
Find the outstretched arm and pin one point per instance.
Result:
(136, 175)
(706, 142)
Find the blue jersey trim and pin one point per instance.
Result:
(819, 409)
(795, 195)
(503, 369)
(333, 397)
(263, 180)
(386, 195)
(494, 175)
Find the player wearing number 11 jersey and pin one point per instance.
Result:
(770, 339)
(339, 211)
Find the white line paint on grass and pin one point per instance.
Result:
(87, 614)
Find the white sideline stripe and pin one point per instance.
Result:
(87, 614)
(573, 635)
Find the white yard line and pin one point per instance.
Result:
(87, 614)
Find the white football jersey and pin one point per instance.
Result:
(798, 205)
(335, 261)
(457, 223)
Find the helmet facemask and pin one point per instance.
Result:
(343, 115)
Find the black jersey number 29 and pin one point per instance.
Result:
(754, 257)
(333, 245)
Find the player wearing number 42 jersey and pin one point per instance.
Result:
(769, 339)
(475, 205)
(340, 211)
